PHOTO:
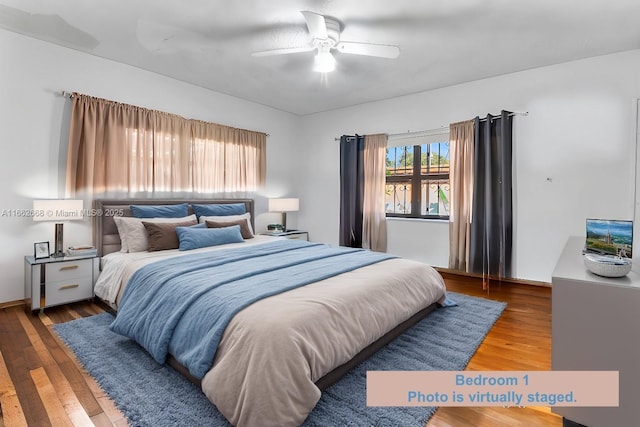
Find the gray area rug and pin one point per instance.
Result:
(153, 395)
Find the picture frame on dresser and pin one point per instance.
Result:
(41, 250)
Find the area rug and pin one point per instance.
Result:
(149, 394)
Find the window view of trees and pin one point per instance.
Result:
(418, 181)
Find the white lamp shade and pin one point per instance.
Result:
(57, 210)
(284, 205)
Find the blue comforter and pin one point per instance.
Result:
(183, 305)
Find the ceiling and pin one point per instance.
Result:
(442, 42)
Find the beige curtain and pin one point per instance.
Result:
(208, 156)
(461, 152)
(374, 225)
(117, 148)
(227, 159)
(245, 161)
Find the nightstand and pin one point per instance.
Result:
(290, 234)
(58, 280)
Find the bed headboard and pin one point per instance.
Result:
(105, 234)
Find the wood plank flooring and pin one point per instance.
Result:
(519, 340)
(41, 383)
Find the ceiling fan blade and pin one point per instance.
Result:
(283, 51)
(316, 24)
(369, 49)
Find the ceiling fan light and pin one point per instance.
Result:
(324, 62)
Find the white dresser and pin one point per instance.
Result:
(596, 326)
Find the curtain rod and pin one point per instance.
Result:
(419, 133)
(348, 136)
(409, 134)
(510, 114)
(69, 95)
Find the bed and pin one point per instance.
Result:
(275, 354)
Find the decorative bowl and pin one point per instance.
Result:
(607, 265)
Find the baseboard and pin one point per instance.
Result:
(500, 279)
(11, 304)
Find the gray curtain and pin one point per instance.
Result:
(351, 190)
(492, 221)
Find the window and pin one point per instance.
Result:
(417, 184)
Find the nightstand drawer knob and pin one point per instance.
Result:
(75, 285)
(69, 267)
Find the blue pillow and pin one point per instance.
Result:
(160, 211)
(194, 238)
(223, 209)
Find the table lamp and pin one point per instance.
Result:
(57, 210)
(284, 206)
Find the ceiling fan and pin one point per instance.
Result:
(325, 33)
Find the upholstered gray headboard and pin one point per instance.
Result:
(105, 234)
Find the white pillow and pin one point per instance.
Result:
(133, 235)
(229, 218)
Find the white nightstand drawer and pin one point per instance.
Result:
(63, 291)
(66, 270)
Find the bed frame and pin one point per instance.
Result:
(107, 240)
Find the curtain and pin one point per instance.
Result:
(117, 148)
(351, 190)
(492, 222)
(461, 154)
(208, 156)
(227, 159)
(374, 217)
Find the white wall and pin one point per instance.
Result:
(574, 154)
(32, 119)
(580, 133)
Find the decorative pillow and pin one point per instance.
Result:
(222, 209)
(133, 235)
(163, 236)
(160, 211)
(228, 218)
(194, 238)
(122, 231)
(244, 226)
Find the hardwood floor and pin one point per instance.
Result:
(519, 341)
(41, 383)
(44, 384)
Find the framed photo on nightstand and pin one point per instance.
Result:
(41, 250)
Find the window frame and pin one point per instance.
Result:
(416, 179)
